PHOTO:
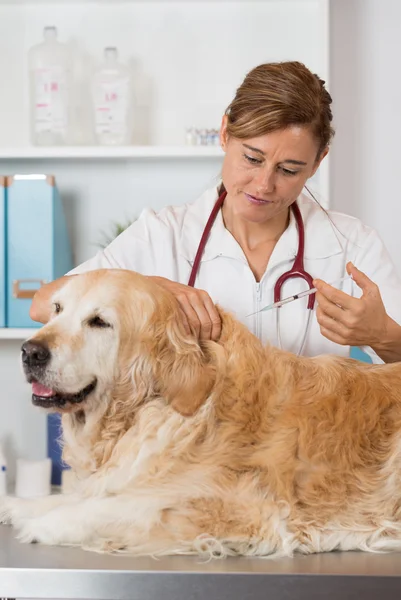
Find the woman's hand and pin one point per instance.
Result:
(352, 321)
(200, 316)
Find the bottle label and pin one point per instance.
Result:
(50, 85)
(111, 106)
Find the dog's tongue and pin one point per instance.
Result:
(41, 390)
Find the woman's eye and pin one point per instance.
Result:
(57, 308)
(288, 171)
(252, 160)
(98, 322)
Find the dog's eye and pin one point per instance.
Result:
(57, 308)
(98, 322)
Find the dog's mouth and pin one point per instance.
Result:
(48, 398)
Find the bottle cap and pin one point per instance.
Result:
(111, 53)
(50, 32)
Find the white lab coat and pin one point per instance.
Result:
(165, 244)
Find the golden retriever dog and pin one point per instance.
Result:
(217, 448)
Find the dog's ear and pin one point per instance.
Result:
(187, 371)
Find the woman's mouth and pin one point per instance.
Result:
(255, 200)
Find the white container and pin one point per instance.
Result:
(50, 71)
(33, 478)
(112, 101)
(3, 473)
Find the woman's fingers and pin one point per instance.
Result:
(200, 315)
(214, 317)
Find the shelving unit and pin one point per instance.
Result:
(187, 58)
(111, 152)
(15, 334)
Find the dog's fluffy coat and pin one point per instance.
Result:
(218, 448)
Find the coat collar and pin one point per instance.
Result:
(321, 239)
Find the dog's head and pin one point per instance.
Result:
(115, 333)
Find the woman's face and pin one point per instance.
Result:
(264, 175)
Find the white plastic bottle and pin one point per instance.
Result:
(50, 71)
(3, 473)
(112, 103)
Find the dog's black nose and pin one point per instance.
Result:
(35, 354)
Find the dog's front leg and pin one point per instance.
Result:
(13, 509)
(87, 521)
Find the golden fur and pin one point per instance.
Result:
(218, 448)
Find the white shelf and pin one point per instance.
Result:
(99, 152)
(67, 2)
(17, 2)
(12, 333)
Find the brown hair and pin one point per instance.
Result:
(276, 95)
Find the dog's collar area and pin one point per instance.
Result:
(60, 400)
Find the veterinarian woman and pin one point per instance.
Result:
(275, 133)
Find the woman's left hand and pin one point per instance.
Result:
(351, 321)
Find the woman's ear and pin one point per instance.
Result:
(186, 374)
(223, 133)
(319, 160)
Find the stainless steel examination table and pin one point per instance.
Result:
(34, 571)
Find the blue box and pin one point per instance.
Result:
(359, 354)
(3, 192)
(38, 247)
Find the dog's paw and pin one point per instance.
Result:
(14, 510)
(36, 530)
(51, 529)
(8, 506)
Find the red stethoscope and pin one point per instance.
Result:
(297, 270)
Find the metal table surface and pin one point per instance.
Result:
(34, 571)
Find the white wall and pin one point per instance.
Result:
(365, 82)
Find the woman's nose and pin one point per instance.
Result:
(266, 181)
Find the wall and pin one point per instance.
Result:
(366, 86)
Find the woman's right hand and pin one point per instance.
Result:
(200, 315)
